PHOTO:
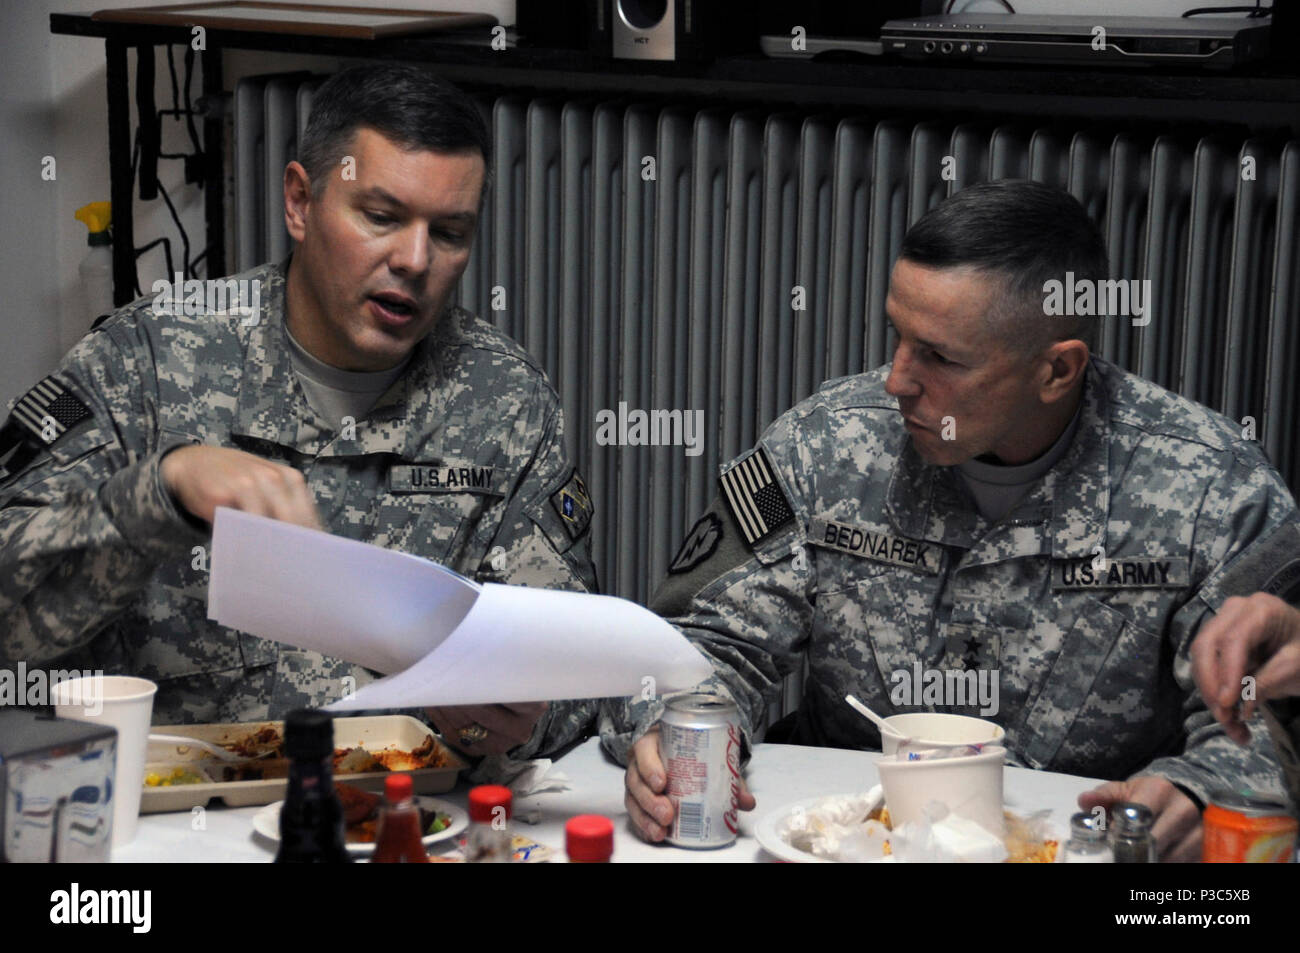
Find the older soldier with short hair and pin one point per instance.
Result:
(355, 400)
(996, 501)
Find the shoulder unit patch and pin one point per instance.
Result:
(573, 503)
(700, 543)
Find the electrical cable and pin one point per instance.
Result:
(185, 238)
(188, 264)
(1251, 12)
(189, 102)
(167, 256)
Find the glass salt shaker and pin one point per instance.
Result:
(1088, 843)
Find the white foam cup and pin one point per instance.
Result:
(970, 787)
(927, 730)
(126, 703)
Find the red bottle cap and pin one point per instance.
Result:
(589, 838)
(397, 787)
(484, 799)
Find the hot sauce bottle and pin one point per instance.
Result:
(398, 840)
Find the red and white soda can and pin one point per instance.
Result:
(699, 743)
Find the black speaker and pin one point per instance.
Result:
(672, 29)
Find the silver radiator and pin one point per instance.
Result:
(270, 114)
(674, 287)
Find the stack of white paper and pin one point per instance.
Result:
(446, 639)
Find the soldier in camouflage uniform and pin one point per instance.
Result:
(339, 390)
(852, 536)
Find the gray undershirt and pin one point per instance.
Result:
(998, 488)
(335, 394)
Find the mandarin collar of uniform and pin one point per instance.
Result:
(928, 502)
(398, 423)
(273, 407)
(1081, 501)
(925, 501)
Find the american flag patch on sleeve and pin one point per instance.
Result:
(49, 410)
(756, 500)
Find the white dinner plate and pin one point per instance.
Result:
(267, 823)
(770, 840)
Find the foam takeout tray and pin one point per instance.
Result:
(375, 733)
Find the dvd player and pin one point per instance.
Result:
(1080, 41)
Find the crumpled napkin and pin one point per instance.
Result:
(944, 838)
(525, 779)
(837, 829)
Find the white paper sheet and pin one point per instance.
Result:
(448, 640)
(365, 604)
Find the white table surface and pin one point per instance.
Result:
(778, 775)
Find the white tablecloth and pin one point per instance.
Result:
(778, 775)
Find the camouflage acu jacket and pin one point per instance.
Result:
(1082, 601)
(461, 461)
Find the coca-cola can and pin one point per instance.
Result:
(699, 743)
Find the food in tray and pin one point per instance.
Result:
(357, 760)
(268, 738)
(372, 744)
(361, 815)
(178, 775)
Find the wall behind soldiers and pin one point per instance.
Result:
(28, 266)
(56, 105)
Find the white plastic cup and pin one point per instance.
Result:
(970, 787)
(126, 703)
(929, 730)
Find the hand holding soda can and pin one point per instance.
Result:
(699, 744)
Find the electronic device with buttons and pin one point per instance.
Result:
(831, 29)
(1079, 40)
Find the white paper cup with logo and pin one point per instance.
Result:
(126, 703)
(970, 787)
(923, 729)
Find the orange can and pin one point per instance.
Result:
(1247, 830)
